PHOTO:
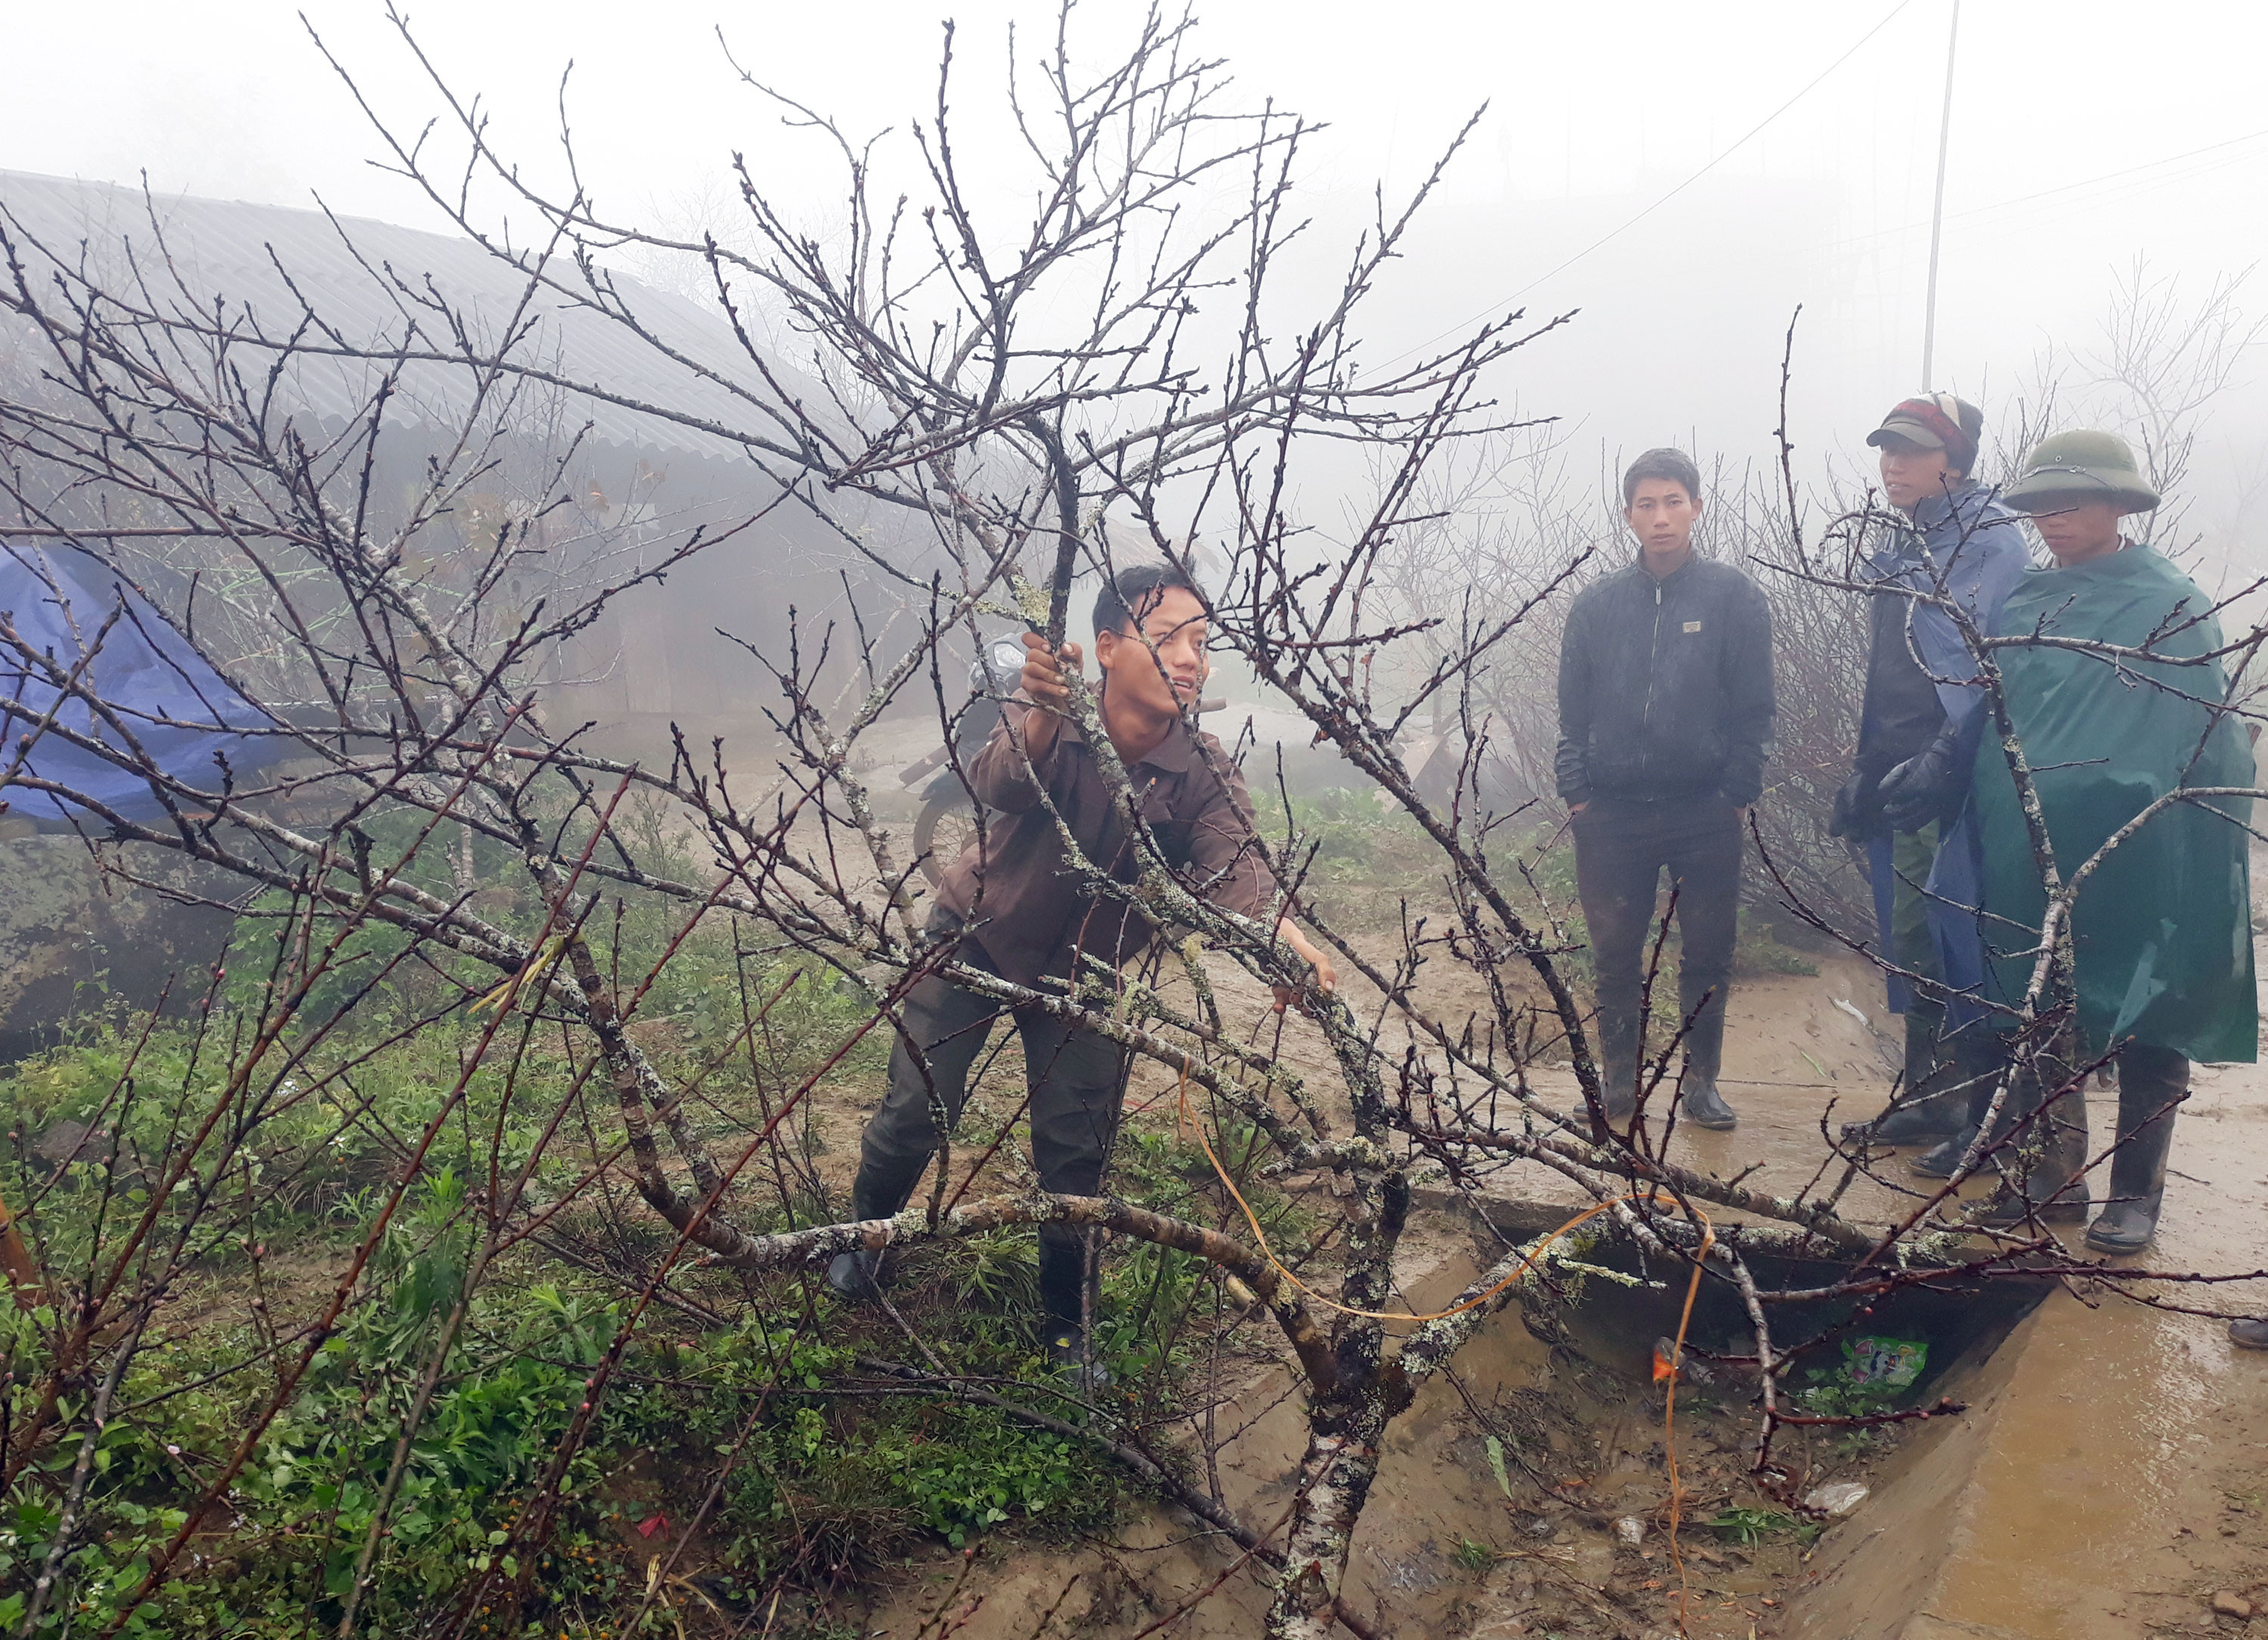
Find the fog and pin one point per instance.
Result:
(1680, 178)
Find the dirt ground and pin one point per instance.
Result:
(2104, 1481)
(2108, 1479)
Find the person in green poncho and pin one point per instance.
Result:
(2160, 925)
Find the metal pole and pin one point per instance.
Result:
(1937, 208)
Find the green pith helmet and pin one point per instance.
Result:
(2073, 469)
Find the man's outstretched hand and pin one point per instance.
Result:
(1327, 977)
(1044, 670)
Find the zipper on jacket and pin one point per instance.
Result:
(1653, 677)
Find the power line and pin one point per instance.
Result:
(1996, 206)
(2107, 176)
(1616, 233)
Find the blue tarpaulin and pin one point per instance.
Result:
(183, 714)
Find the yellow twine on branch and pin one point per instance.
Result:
(527, 979)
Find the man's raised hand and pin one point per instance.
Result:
(1044, 670)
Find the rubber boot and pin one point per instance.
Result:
(877, 1192)
(2150, 1081)
(1705, 1054)
(1069, 1294)
(1618, 1063)
(1943, 1160)
(1976, 1071)
(1929, 1105)
(2045, 1179)
(2251, 1334)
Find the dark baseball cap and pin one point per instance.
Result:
(1935, 421)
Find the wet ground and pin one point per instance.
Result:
(2106, 1479)
(2118, 1486)
(2112, 1475)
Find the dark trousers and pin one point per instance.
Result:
(2153, 1083)
(1077, 1084)
(1932, 1069)
(1622, 848)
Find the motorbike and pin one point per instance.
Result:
(946, 823)
(947, 819)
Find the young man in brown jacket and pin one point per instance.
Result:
(1017, 905)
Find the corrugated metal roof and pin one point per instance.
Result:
(347, 269)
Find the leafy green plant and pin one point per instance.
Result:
(308, 1500)
(1874, 1377)
(1495, 1449)
(310, 1152)
(1749, 1528)
(1832, 1397)
(842, 1490)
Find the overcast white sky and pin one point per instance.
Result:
(2084, 133)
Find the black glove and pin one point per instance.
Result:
(1857, 808)
(1925, 786)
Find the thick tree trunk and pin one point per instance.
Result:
(1335, 1480)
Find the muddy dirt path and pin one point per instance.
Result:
(2111, 1476)
(2115, 1466)
(2106, 1481)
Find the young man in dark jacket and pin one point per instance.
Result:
(1665, 722)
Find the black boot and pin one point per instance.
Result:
(2151, 1082)
(1617, 1063)
(1929, 1105)
(2046, 1177)
(877, 1192)
(1069, 1294)
(1705, 1053)
(1943, 1160)
(2066, 1203)
(1973, 1071)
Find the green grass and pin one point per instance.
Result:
(1357, 844)
(823, 1467)
(824, 1480)
(819, 1467)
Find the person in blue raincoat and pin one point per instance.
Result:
(177, 716)
(2161, 935)
(1958, 545)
